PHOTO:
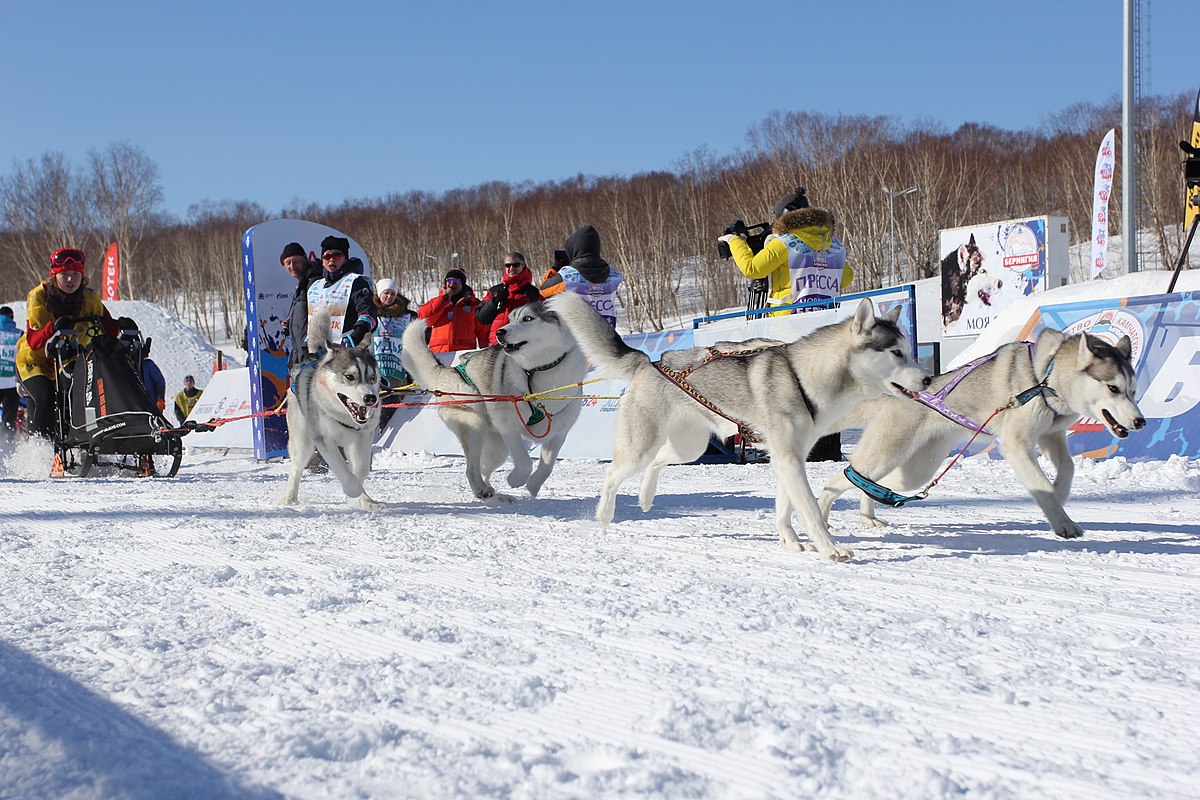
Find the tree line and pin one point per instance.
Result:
(657, 227)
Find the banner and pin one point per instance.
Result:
(112, 273)
(1102, 188)
(268, 289)
(1165, 333)
(1190, 209)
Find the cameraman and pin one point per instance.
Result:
(802, 258)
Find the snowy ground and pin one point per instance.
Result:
(183, 637)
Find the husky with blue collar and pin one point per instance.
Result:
(333, 407)
(1044, 388)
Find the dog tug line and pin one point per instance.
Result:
(534, 400)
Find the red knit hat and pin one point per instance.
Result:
(66, 259)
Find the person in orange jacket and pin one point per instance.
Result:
(451, 316)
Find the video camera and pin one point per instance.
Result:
(1191, 164)
(755, 236)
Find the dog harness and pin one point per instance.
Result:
(883, 494)
(680, 379)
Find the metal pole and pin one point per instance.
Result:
(1128, 176)
(892, 241)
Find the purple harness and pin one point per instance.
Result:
(937, 401)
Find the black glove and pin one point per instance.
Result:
(62, 323)
(561, 259)
(356, 335)
(531, 292)
(499, 293)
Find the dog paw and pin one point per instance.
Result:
(797, 546)
(839, 554)
(873, 522)
(499, 498)
(286, 500)
(1068, 530)
(518, 478)
(367, 504)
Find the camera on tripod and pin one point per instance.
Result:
(755, 236)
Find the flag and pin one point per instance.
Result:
(112, 273)
(1189, 208)
(1105, 160)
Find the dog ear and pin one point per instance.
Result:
(864, 317)
(1085, 352)
(1125, 348)
(893, 316)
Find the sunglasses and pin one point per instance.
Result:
(507, 265)
(332, 256)
(453, 281)
(63, 258)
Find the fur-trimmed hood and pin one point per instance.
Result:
(804, 218)
(397, 309)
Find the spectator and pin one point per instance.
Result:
(451, 316)
(802, 258)
(53, 306)
(10, 401)
(514, 290)
(394, 317)
(587, 274)
(551, 284)
(345, 291)
(185, 400)
(295, 325)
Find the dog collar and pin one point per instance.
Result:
(545, 367)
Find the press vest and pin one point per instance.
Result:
(814, 274)
(600, 296)
(387, 344)
(336, 298)
(8, 357)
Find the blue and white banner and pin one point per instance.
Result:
(1165, 333)
(268, 291)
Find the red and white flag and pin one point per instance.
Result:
(1105, 160)
(112, 273)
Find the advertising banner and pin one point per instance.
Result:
(268, 292)
(1165, 333)
(985, 268)
(227, 395)
(1102, 188)
(112, 274)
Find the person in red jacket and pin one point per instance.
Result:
(515, 290)
(451, 316)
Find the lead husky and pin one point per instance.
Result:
(904, 442)
(789, 394)
(534, 353)
(333, 405)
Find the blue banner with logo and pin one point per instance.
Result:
(1165, 333)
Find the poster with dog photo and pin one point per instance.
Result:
(985, 268)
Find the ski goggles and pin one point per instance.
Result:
(66, 257)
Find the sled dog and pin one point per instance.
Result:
(788, 395)
(333, 405)
(533, 353)
(904, 442)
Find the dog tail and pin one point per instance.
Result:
(318, 331)
(422, 364)
(596, 337)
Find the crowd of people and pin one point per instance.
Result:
(801, 261)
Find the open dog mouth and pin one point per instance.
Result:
(900, 390)
(360, 413)
(985, 298)
(511, 347)
(1119, 430)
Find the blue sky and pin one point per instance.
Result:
(319, 102)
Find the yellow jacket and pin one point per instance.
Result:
(39, 319)
(813, 226)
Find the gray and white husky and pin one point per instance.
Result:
(904, 442)
(789, 395)
(534, 353)
(333, 406)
